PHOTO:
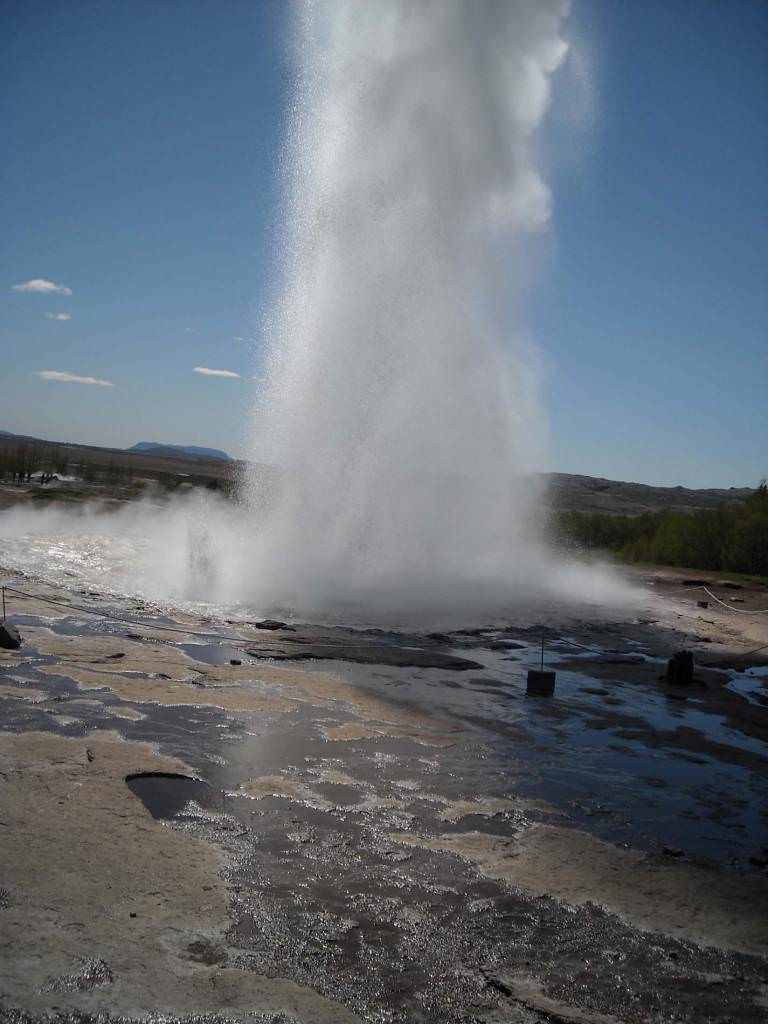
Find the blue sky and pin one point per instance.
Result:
(141, 146)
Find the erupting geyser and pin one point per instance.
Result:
(399, 398)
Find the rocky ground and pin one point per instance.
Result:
(315, 824)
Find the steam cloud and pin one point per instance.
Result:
(399, 397)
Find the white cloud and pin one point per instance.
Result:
(72, 378)
(59, 316)
(238, 339)
(42, 287)
(207, 372)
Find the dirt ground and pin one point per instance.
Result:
(735, 621)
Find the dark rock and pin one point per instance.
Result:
(10, 638)
(497, 984)
(732, 586)
(235, 661)
(673, 851)
(680, 669)
(702, 604)
(364, 654)
(89, 754)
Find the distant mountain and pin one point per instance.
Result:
(570, 492)
(154, 448)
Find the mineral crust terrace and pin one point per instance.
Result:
(347, 866)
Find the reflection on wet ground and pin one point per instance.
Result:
(622, 754)
(615, 749)
(450, 747)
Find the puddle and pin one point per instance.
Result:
(684, 773)
(165, 794)
(216, 654)
(751, 684)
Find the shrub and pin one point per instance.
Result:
(732, 538)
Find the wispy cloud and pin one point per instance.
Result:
(59, 316)
(207, 372)
(42, 287)
(238, 339)
(72, 378)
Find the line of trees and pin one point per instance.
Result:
(27, 457)
(24, 459)
(733, 538)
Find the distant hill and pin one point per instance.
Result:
(566, 492)
(572, 493)
(154, 448)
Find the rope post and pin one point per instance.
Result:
(3, 604)
(540, 683)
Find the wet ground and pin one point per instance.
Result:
(403, 831)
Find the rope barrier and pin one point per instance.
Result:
(685, 590)
(723, 662)
(739, 611)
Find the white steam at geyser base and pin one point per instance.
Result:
(400, 399)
